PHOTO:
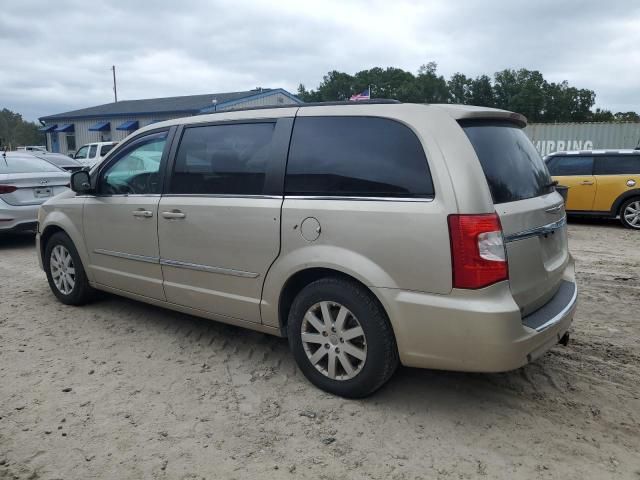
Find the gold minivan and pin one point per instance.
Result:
(602, 183)
(369, 234)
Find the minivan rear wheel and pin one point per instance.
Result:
(65, 272)
(341, 338)
(630, 213)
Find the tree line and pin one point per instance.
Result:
(15, 131)
(523, 91)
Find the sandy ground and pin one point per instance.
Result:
(122, 390)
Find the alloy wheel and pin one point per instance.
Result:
(334, 340)
(632, 214)
(63, 271)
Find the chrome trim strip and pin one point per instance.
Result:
(536, 232)
(218, 195)
(207, 268)
(365, 199)
(124, 195)
(562, 313)
(555, 208)
(128, 256)
(178, 264)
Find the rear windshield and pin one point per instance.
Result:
(512, 165)
(24, 164)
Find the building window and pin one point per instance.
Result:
(71, 142)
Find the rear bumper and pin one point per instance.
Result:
(18, 218)
(476, 330)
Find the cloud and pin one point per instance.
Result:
(58, 59)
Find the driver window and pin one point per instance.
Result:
(137, 172)
(82, 153)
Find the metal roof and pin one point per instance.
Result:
(183, 104)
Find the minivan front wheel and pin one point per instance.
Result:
(341, 338)
(65, 272)
(630, 213)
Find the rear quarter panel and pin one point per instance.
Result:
(385, 244)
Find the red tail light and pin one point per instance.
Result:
(7, 189)
(478, 256)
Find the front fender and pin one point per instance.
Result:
(64, 212)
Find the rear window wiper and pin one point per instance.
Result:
(552, 184)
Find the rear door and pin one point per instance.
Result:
(219, 218)
(615, 174)
(575, 172)
(531, 212)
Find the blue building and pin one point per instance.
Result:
(68, 131)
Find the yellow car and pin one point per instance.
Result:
(604, 183)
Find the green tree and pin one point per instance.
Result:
(460, 88)
(602, 116)
(385, 83)
(523, 91)
(432, 87)
(627, 117)
(482, 92)
(14, 131)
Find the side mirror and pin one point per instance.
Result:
(81, 181)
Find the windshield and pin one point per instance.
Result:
(512, 165)
(24, 164)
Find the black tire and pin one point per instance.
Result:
(82, 292)
(624, 206)
(381, 350)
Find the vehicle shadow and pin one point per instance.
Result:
(410, 390)
(601, 222)
(10, 241)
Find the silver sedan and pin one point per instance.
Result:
(26, 182)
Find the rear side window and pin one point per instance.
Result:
(92, 151)
(104, 149)
(223, 159)
(512, 166)
(570, 165)
(617, 165)
(356, 156)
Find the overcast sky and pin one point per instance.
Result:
(56, 56)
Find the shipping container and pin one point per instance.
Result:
(556, 137)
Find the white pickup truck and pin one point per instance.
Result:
(92, 153)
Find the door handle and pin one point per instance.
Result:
(586, 182)
(173, 214)
(142, 213)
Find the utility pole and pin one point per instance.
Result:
(115, 90)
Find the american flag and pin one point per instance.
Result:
(364, 95)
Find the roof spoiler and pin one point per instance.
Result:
(467, 112)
